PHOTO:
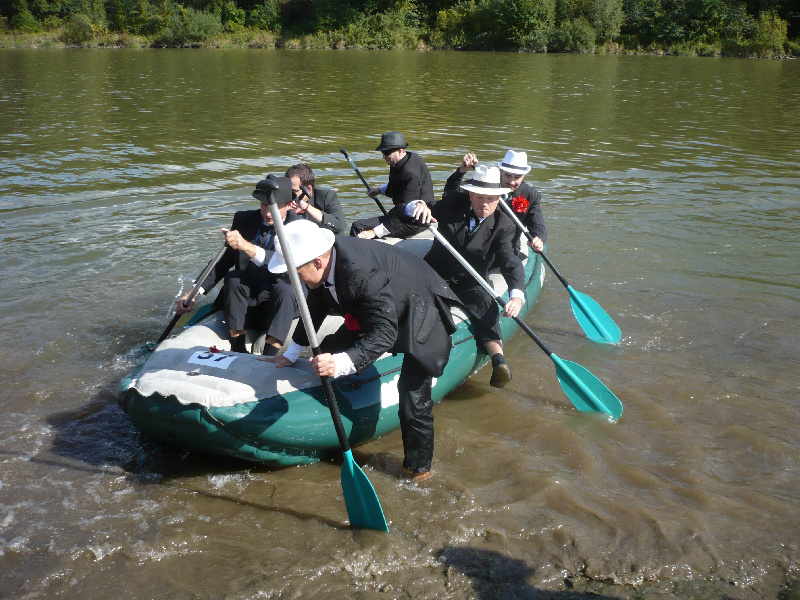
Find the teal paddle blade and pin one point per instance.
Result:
(586, 391)
(599, 327)
(363, 507)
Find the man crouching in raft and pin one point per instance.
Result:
(392, 301)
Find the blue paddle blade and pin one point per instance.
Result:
(599, 327)
(363, 507)
(586, 391)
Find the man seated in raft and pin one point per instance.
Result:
(409, 179)
(324, 208)
(468, 218)
(392, 301)
(523, 199)
(253, 297)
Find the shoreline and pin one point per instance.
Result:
(264, 40)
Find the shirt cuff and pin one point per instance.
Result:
(293, 352)
(383, 188)
(409, 209)
(380, 230)
(260, 257)
(517, 294)
(344, 366)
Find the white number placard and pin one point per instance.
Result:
(211, 359)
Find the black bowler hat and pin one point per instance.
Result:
(392, 140)
(265, 187)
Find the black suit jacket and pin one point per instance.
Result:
(409, 180)
(326, 200)
(399, 302)
(492, 242)
(248, 223)
(532, 217)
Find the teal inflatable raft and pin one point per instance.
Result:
(191, 391)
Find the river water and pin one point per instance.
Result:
(671, 194)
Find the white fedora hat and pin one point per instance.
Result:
(306, 241)
(515, 162)
(485, 181)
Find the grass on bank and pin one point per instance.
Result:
(765, 37)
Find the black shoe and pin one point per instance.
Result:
(501, 375)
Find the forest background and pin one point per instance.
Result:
(762, 28)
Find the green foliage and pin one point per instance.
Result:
(187, 27)
(265, 16)
(770, 34)
(395, 28)
(526, 23)
(574, 36)
(697, 27)
(78, 30)
(231, 16)
(605, 17)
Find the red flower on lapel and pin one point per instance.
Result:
(519, 204)
(351, 322)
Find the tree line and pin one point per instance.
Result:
(700, 27)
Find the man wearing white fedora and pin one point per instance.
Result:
(392, 301)
(469, 220)
(523, 199)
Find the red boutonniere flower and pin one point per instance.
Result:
(351, 322)
(519, 204)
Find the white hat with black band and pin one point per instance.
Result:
(486, 181)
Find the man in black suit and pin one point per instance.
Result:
(324, 208)
(523, 198)
(252, 297)
(470, 221)
(393, 302)
(409, 179)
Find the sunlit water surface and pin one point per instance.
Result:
(671, 193)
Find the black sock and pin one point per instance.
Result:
(498, 359)
(237, 344)
(270, 350)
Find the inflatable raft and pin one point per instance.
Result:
(191, 391)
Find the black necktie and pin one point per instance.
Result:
(327, 289)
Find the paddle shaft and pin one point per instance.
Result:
(305, 315)
(593, 319)
(195, 289)
(485, 285)
(507, 209)
(364, 181)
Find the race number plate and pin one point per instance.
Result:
(212, 359)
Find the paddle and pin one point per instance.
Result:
(599, 327)
(364, 181)
(586, 392)
(195, 289)
(363, 507)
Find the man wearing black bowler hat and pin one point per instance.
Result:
(409, 179)
(253, 297)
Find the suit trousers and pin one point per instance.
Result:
(249, 304)
(416, 405)
(416, 415)
(398, 226)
